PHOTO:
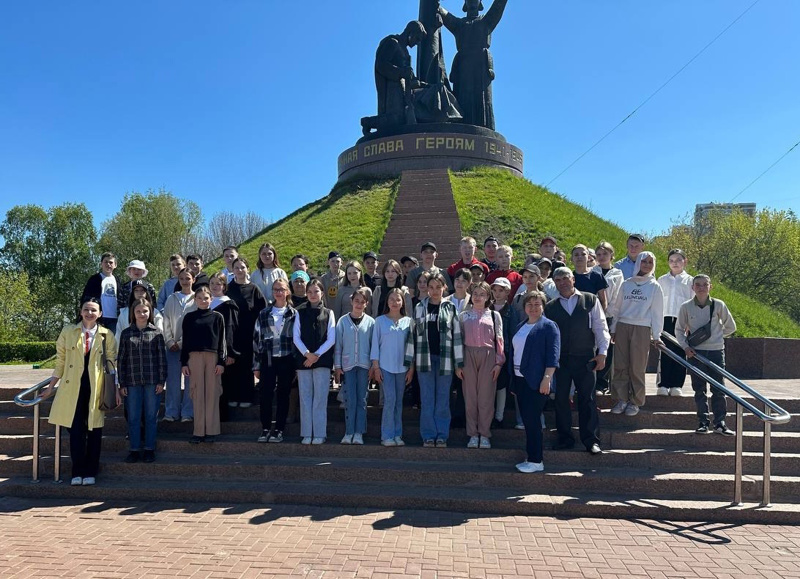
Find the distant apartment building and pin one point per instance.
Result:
(703, 209)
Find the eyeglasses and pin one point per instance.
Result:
(280, 290)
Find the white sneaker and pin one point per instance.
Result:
(233, 404)
(88, 481)
(662, 391)
(399, 441)
(76, 481)
(631, 410)
(619, 407)
(519, 427)
(245, 404)
(317, 440)
(358, 438)
(388, 442)
(348, 439)
(485, 443)
(473, 442)
(676, 392)
(306, 440)
(529, 467)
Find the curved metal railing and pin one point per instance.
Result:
(22, 399)
(781, 416)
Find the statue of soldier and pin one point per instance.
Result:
(395, 79)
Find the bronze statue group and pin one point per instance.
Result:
(452, 342)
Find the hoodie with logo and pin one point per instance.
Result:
(640, 301)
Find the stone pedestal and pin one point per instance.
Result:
(431, 146)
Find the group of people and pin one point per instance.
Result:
(459, 338)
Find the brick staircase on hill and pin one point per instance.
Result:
(653, 467)
(423, 211)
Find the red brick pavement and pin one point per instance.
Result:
(56, 539)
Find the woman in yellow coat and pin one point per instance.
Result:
(79, 367)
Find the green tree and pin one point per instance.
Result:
(17, 313)
(151, 226)
(55, 248)
(758, 255)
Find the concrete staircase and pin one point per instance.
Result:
(424, 211)
(654, 466)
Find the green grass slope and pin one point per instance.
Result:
(494, 202)
(351, 219)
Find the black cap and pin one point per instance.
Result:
(371, 254)
(428, 244)
(406, 258)
(333, 254)
(138, 283)
(545, 259)
(636, 236)
(490, 238)
(533, 269)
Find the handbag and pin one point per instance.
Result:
(108, 396)
(702, 333)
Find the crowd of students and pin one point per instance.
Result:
(459, 339)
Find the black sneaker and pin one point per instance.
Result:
(196, 439)
(723, 430)
(264, 436)
(211, 438)
(133, 456)
(703, 429)
(498, 424)
(276, 436)
(149, 456)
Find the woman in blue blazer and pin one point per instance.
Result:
(533, 359)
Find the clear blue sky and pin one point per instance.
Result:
(245, 105)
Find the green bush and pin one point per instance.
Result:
(26, 351)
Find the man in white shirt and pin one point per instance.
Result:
(677, 288)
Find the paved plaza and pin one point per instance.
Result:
(41, 538)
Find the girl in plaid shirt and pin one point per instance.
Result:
(142, 368)
(273, 361)
(438, 351)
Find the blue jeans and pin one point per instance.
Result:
(178, 403)
(314, 386)
(355, 400)
(434, 417)
(142, 400)
(393, 387)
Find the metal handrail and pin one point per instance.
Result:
(781, 416)
(21, 400)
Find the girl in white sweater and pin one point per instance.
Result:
(638, 317)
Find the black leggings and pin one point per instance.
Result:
(280, 372)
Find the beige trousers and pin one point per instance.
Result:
(479, 390)
(631, 349)
(205, 388)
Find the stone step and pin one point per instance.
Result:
(381, 497)
(630, 481)
(504, 449)
(507, 451)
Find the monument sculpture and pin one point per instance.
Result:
(424, 121)
(473, 68)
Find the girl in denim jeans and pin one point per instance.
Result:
(142, 368)
(351, 359)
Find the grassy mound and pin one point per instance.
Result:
(494, 202)
(353, 218)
